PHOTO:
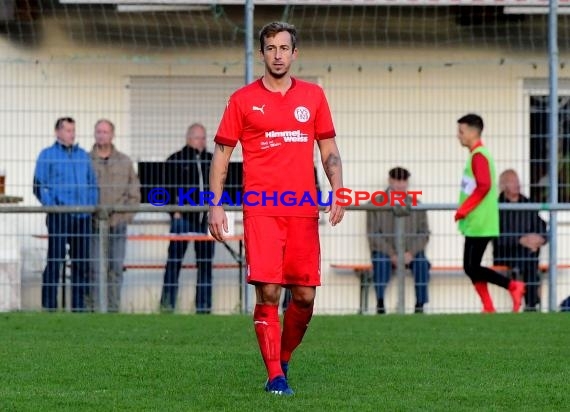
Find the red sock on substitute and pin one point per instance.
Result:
(483, 292)
(268, 331)
(295, 324)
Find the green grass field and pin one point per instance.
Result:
(73, 362)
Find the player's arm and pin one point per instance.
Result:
(330, 157)
(217, 219)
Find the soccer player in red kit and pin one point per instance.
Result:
(277, 119)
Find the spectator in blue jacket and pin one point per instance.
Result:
(64, 176)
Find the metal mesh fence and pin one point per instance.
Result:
(397, 80)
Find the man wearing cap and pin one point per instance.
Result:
(381, 225)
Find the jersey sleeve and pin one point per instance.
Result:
(231, 125)
(324, 127)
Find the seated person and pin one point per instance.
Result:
(380, 225)
(522, 234)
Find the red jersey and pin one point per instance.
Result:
(277, 133)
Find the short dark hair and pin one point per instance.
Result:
(399, 173)
(59, 122)
(271, 29)
(472, 120)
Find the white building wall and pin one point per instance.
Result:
(384, 117)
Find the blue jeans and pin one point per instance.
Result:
(382, 270)
(64, 229)
(204, 255)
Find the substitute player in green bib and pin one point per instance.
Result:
(478, 214)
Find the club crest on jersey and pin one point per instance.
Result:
(302, 114)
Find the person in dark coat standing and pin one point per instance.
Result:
(523, 233)
(189, 169)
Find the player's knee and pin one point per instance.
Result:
(470, 267)
(303, 297)
(304, 303)
(471, 270)
(268, 294)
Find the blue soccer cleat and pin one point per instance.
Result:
(279, 386)
(285, 368)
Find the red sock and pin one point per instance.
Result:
(268, 331)
(295, 323)
(481, 288)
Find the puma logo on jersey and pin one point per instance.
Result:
(258, 108)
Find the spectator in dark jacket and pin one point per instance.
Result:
(189, 169)
(523, 233)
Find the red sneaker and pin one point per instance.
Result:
(489, 310)
(517, 289)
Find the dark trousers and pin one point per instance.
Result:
(204, 255)
(472, 257)
(286, 298)
(382, 270)
(525, 262)
(63, 230)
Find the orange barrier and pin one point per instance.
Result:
(184, 266)
(169, 236)
(236, 254)
(358, 267)
(188, 237)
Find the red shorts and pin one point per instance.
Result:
(282, 250)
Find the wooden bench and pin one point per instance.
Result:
(157, 266)
(237, 255)
(364, 272)
(184, 266)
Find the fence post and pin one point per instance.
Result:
(401, 268)
(553, 124)
(103, 234)
(400, 211)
